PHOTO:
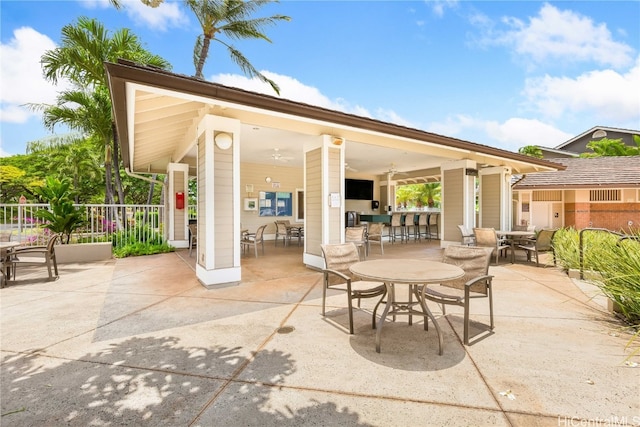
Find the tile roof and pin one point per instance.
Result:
(588, 172)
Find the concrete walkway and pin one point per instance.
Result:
(138, 341)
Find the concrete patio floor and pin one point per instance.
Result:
(138, 341)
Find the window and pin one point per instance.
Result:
(605, 195)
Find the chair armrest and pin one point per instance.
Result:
(337, 273)
(475, 280)
(27, 249)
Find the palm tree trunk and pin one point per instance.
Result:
(203, 56)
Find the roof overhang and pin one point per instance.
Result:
(156, 113)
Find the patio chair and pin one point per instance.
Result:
(543, 243)
(254, 240)
(375, 233)
(434, 226)
(336, 275)
(468, 238)
(282, 233)
(487, 237)
(36, 256)
(476, 282)
(422, 228)
(5, 236)
(193, 237)
(358, 236)
(397, 227)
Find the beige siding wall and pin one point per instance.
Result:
(179, 225)
(452, 203)
(223, 202)
(254, 175)
(335, 186)
(202, 225)
(490, 201)
(313, 196)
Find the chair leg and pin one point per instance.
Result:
(350, 314)
(490, 294)
(466, 317)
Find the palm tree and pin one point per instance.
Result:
(531, 150)
(231, 18)
(430, 193)
(84, 48)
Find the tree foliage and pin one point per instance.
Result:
(531, 150)
(62, 217)
(233, 19)
(606, 147)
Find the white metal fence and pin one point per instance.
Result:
(119, 224)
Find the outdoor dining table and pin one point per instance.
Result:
(4, 257)
(512, 237)
(406, 272)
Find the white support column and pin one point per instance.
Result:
(495, 197)
(178, 219)
(324, 196)
(458, 199)
(219, 205)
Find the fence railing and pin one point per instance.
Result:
(102, 223)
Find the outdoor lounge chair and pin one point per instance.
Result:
(468, 238)
(375, 233)
(254, 240)
(336, 275)
(476, 282)
(36, 255)
(487, 237)
(542, 243)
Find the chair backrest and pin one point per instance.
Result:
(465, 231)
(5, 236)
(340, 257)
(544, 240)
(519, 228)
(51, 243)
(193, 228)
(433, 218)
(281, 228)
(474, 260)
(355, 234)
(396, 219)
(486, 237)
(375, 230)
(259, 233)
(423, 219)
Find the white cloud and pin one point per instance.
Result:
(438, 6)
(605, 94)
(290, 88)
(21, 79)
(167, 15)
(560, 34)
(510, 135)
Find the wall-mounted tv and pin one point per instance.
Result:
(358, 189)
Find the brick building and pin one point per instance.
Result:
(602, 192)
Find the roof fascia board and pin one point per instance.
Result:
(172, 83)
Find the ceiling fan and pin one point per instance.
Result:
(277, 156)
(349, 168)
(393, 170)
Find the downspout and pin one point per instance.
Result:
(135, 175)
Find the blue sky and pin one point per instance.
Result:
(504, 73)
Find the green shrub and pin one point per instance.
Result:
(616, 261)
(141, 248)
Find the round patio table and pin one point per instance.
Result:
(411, 272)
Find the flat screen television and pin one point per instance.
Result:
(358, 189)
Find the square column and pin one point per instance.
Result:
(495, 198)
(218, 260)
(458, 195)
(324, 196)
(177, 213)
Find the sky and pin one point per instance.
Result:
(500, 73)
